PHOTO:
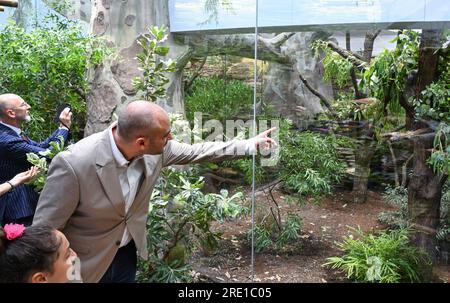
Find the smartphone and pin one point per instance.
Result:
(59, 110)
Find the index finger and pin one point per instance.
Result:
(266, 132)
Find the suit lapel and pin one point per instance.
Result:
(107, 174)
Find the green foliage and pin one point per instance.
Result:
(290, 230)
(270, 234)
(218, 99)
(245, 166)
(335, 66)
(309, 163)
(164, 272)
(154, 79)
(384, 258)
(262, 238)
(179, 220)
(443, 233)
(386, 76)
(41, 161)
(398, 196)
(435, 99)
(440, 157)
(47, 66)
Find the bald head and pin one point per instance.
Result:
(141, 118)
(8, 101)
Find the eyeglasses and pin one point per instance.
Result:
(22, 105)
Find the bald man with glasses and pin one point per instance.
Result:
(19, 204)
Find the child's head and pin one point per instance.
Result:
(34, 254)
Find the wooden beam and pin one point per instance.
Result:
(9, 3)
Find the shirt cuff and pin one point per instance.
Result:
(250, 146)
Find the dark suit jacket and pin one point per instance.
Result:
(21, 201)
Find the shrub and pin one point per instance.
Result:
(179, 220)
(310, 163)
(218, 99)
(398, 196)
(47, 66)
(270, 234)
(385, 258)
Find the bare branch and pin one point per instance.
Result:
(394, 161)
(322, 98)
(409, 135)
(9, 3)
(195, 75)
(238, 45)
(358, 94)
(281, 38)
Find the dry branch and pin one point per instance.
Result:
(322, 98)
(409, 135)
(9, 3)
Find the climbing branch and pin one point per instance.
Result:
(278, 40)
(354, 58)
(322, 98)
(409, 135)
(195, 75)
(238, 45)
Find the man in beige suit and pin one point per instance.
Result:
(97, 193)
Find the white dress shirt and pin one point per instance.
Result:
(130, 175)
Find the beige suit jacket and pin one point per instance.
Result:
(83, 198)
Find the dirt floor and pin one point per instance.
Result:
(324, 223)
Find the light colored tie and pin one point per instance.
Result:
(22, 134)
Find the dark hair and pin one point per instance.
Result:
(36, 250)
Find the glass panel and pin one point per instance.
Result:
(234, 16)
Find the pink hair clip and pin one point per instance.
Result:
(13, 231)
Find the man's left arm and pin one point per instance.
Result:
(182, 153)
(62, 131)
(65, 119)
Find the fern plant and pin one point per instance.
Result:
(386, 258)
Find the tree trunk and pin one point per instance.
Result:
(363, 158)
(358, 95)
(425, 187)
(368, 44)
(121, 23)
(424, 198)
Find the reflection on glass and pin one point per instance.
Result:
(282, 15)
